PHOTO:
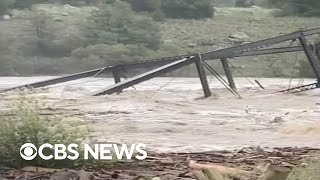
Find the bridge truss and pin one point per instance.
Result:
(167, 64)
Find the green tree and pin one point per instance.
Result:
(118, 23)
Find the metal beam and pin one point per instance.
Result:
(314, 62)
(228, 73)
(268, 51)
(62, 79)
(163, 61)
(117, 77)
(317, 49)
(258, 44)
(151, 63)
(223, 82)
(240, 50)
(301, 88)
(146, 76)
(202, 76)
(250, 49)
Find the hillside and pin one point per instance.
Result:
(64, 24)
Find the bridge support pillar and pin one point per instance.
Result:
(313, 60)
(203, 77)
(228, 73)
(117, 77)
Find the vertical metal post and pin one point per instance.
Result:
(117, 77)
(203, 77)
(314, 62)
(317, 49)
(228, 73)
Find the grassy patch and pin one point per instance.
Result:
(309, 170)
(25, 124)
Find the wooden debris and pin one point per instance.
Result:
(218, 168)
(39, 169)
(158, 165)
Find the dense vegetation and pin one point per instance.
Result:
(170, 8)
(175, 8)
(298, 7)
(111, 26)
(114, 32)
(27, 125)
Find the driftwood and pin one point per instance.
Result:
(39, 169)
(217, 168)
(159, 164)
(276, 173)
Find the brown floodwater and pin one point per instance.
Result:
(169, 115)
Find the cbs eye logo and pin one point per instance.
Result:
(28, 151)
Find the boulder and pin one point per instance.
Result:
(6, 17)
(239, 37)
(191, 45)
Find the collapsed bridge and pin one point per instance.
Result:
(165, 65)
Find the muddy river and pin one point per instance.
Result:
(169, 114)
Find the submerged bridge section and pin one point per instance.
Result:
(159, 71)
(168, 64)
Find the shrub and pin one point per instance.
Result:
(244, 3)
(22, 4)
(150, 8)
(108, 55)
(7, 56)
(188, 9)
(145, 5)
(110, 25)
(298, 7)
(309, 171)
(5, 5)
(24, 124)
(50, 41)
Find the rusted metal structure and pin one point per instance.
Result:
(164, 65)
